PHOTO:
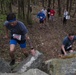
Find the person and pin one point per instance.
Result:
(18, 34)
(48, 12)
(67, 44)
(65, 16)
(41, 17)
(52, 13)
(45, 12)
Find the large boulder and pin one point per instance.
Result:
(30, 62)
(65, 65)
(4, 66)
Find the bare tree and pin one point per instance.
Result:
(75, 9)
(67, 5)
(28, 15)
(70, 7)
(21, 11)
(49, 3)
(59, 7)
(53, 3)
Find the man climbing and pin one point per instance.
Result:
(18, 34)
(67, 44)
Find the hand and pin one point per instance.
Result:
(71, 51)
(33, 52)
(65, 53)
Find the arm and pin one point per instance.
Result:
(30, 43)
(62, 47)
(25, 32)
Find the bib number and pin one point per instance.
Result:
(16, 36)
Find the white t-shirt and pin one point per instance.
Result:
(65, 13)
(44, 11)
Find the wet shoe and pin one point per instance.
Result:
(12, 62)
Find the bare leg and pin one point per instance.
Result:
(12, 48)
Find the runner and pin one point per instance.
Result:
(18, 34)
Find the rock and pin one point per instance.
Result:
(35, 72)
(63, 66)
(30, 62)
(4, 66)
(29, 72)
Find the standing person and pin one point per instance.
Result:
(67, 43)
(48, 12)
(52, 14)
(41, 17)
(45, 12)
(65, 16)
(18, 34)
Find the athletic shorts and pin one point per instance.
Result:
(41, 21)
(22, 43)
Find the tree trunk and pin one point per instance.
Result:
(49, 3)
(43, 3)
(67, 7)
(70, 6)
(53, 3)
(22, 9)
(21, 12)
(1, 6)
(59, 8)
(75, 10)
(19, 15)
(10, 6)
(28, 15)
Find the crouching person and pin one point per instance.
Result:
(67, 44)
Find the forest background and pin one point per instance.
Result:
(47, 40)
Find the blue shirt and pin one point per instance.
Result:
(41, 15)
(67, 42)
(19, 29)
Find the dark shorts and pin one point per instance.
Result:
(22, 43)
(41, 21)
(48, 15)
(67, 50)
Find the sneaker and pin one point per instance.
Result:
(12, 62)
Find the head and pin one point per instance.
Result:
(11, 18)
(71, 36)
